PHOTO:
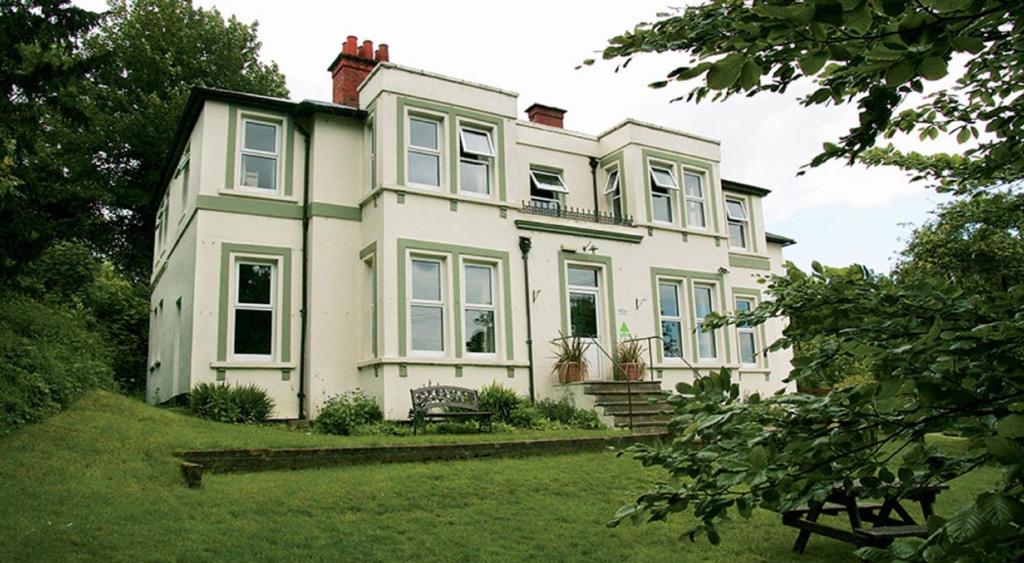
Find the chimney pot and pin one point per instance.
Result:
(546, 115)
(351, 67)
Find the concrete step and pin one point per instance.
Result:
(623, 420)
(638, 408)
(603, 387)
(605, 400)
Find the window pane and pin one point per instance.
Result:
(706, 344)
(695, 214)
(427, 328)
(742, 305)
(478, 285)
(663, 178)
(747, 353)
(474, 177)
(423, 133)
(612, 184)
(672, 339)
(254, 283)
(694, 187)
(702, 300)
(479, 331)
(477, 142)
(737, 235)
(582, 277)
(260, 136)
(735, 210)
(617, 205)
(548, 181)
(424, 169)
(253, 332)
(661, 206)
(583, 314)
(259, 172)
(426, 280)
(668, 297)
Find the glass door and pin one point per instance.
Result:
(585, 314)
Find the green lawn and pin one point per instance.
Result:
(98, 482)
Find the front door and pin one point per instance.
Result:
(585, 314)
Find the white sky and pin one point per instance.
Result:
(838, 214)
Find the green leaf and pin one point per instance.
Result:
(750, 76)
(828, 12)
(899, 73)
(859, 19)
(1011, 426)
(894, 7)
(963, 136)
(965, 525)
(1004, 450)
(932, 68)
(944, 6)
(1000, 509)
(972, 45)
(813, 62)
(726, 71)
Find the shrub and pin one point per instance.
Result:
(500, 400)
(528, 417)
(344, 413)
(585, 419)
(563, 411)
(48, 358)
(383, 428)
(245, 404)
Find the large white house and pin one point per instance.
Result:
(416, 230)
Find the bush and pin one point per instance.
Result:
(48, 358)
(586, 420)
(500, 400)
(528, 417)
(245, 404)
(563, 411)
(344, 413)
(383, 428)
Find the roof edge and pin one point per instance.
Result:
(779, 239)
(740, 187)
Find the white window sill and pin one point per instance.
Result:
(253, 364)
(254, 193)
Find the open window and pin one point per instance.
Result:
(613, 192)
(476, 158)
(663, 185)
(545, 187)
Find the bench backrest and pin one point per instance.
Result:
(445, 396)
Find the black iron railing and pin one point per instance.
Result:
(552, 209)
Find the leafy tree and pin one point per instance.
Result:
(879, 54)
(41, 74)
(153, 53)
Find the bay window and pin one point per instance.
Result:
(739, 223)
(476, 156)
(663, 183)
(479, 308)
(259, 155)
(745, 333)
(427, 306)
(703, 305)
(424, 152)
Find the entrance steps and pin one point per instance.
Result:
(651, 411)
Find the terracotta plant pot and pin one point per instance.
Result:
(633, 371)
(572, 372)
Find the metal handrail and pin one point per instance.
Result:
(650, 364)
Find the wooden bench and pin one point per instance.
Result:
(438, 403)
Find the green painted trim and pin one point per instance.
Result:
(606, 262)
(286, 375)
(546, 168)
(453, 114)
(222, 375)
(229, 176)
(687, 279)
(249, 206)
(511, 372)
(332, 211)
(403, 370)
(503, 213)
(453, 205)
(368, 250)
(577, 231)
(618, 160)
(751, 262)
(457, 253)
(285, 254)
(289, 153)
(401, 197)
(761, 333)
(458, 371)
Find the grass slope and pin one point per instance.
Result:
(98, 482)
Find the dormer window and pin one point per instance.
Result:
(739, 223)
(614, 193)
(663, 183)
(545, 187)
(260, 153)
(476, 156)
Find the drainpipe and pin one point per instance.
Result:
(593, 177)
(524, 246)
(305, 265)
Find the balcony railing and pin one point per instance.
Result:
(554, 209)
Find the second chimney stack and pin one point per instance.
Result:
(352, 65)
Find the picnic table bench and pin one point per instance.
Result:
(446, 402)
(871, 523)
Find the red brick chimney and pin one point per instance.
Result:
(546, 115)
(351, 67)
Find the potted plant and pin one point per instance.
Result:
(570, 359)
(629, 360)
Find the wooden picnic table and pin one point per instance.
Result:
(871, 523)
